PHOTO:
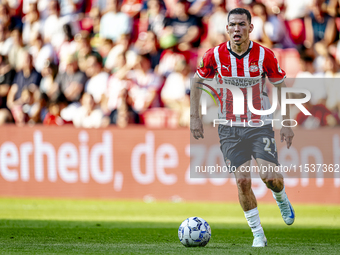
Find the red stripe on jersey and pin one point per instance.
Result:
(221, 92)
(230, 107)
(240, 67)
(244, 117)
(241, 73)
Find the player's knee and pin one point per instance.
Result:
(270, 182)
(244, 184)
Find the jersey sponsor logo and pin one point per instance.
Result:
(253, 68)
(226, 67)
(241, 81)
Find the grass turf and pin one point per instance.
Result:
(128, 227)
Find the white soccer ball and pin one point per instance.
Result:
(194, 231)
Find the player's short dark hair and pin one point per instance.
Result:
(240, 11)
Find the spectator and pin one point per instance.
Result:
(200, 8)
(7, 74)
(71, 7)
(27, 109)
(9, 21)
(168, 60)
(97, 83)
(47, 85)
(43, 9)
(91, 21)
(88, 115)
(104, 49)
(183, 26)
(269, 29)
(116, 107)
(333, 8)
(148, 45)
(217, 23)
(295, 12)
(84, 49)
(332, 76)
(6, 42)
(53, 27)
(131, 7)
(71, 81)
(32, 25)
(155, 16)
(121, 47)
(101, 5)
(144, 92)
(320, 27)
(306, 80)
(42, 52)
(55, 106)
(296, 9)
(114, 16)
(175, 93)
(15, 54)
(68, 47)
(28, 78)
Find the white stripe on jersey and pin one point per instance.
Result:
(217, 60)
(265, 103)
(247, 74)
(233, 65)
(261, 59)
(224, 98)
(234, 74)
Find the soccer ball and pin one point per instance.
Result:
(194, 231)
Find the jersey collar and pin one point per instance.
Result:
(240, 56)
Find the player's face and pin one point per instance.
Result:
(239, 28)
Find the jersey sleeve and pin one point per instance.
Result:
(206, 68)
(272, 68)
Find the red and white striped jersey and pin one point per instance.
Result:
(247, 70)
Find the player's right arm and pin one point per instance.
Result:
(196, 126)
(205, 71)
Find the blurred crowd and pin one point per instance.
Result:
(93, 63)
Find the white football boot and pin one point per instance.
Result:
(287, 211)
(260, 240)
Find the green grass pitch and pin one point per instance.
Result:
(54, 226)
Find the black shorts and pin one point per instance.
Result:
(239, 144)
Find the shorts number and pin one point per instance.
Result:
(267, 142)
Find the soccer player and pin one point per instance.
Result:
(245, 63)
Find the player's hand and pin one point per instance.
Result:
(287, 135)
(196, 127)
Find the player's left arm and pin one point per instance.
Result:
(286, 133)
(277, 76)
